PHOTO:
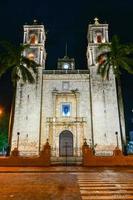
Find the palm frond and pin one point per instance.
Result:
(3, 69)
(104, 69)
(26, 74)
(22, 48)
(119, 56)
(7, 46)
(104, 46)
(31, 64)
(14, 75)
(12, 57)
(126, 65)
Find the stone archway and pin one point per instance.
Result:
(66, 143)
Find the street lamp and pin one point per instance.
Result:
(1, 111)
(18, 134)
(116, 133)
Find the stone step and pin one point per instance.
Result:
(106, 185)
(106, 182)
(123, 197)
(99, 192)
(102, 182)
(68, 161)
(66, 164)
(104, 188)
(99, 181)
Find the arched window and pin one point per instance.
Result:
(99, 38)
(31, 56)
(33, 39)
(101, 59)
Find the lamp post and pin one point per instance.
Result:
(18, 134)
(116, 133)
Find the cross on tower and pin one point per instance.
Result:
(96, 21)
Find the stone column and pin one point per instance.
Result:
(90, 37)
(77, 103)
(92, 56)
(106, 35)
(54, 103)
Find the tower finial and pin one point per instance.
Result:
(96, 21)
(35, 22)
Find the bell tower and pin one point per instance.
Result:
(28, 102)
(105, 111)
(97, 34)
(34, 35)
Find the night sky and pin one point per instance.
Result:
(67, 21)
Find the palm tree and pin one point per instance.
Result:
(22, 68)
(115, 56)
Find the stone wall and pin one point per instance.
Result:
(105, 114)
(16, 160)
(27, 117)
(117, 159)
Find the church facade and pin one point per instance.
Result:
(67, 106)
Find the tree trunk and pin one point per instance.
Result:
(121, 113)
(11, 120)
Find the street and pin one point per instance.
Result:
(66, 183)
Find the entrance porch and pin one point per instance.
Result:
(66, 154)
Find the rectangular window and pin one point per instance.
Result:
(66, 109)
(65, 85)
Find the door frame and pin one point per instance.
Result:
(60, 138)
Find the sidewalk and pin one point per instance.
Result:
(60, 169)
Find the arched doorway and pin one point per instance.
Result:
(66, 143)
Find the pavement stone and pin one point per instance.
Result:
(29, 186)
(66, 183)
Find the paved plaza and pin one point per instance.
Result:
(66, 183)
